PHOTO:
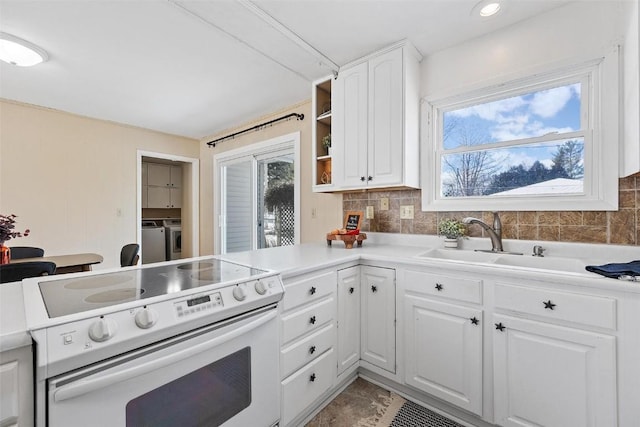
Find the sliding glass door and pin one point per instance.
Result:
(258, 198)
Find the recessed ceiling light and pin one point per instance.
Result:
(490, 9)
(487, 8)
(15, 51)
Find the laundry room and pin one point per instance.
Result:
(161, 202)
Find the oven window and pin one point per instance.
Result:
(207, 397)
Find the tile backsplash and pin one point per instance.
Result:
(619, 227)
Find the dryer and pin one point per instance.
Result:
(173, 236)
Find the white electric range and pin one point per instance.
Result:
(190, 343)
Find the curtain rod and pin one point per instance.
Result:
(256, 128)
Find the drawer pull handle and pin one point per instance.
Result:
(475, 320)
(369, 178)
(500, 327)
(312, 349)
(312, 377)
(548, 305)
(362, 178)
(312, 290)
(374, 288)
(439, 287)
(351, 290)
(312, 320)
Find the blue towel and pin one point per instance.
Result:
(615, 270)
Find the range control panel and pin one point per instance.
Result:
(201, 303)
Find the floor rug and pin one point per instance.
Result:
(414, 415)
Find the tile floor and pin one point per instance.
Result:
(358, 401)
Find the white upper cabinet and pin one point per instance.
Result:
(375, 121)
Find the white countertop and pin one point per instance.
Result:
(379, 247)
(13, 328)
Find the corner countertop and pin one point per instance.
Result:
(13, 327)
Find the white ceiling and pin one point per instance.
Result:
(194, 68)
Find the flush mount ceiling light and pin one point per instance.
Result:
(15, 51)
(487, 8)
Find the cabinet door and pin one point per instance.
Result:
(176, 176)
(443, 351)
(386, 117)
(158, 175)
(158, 197)
(349, 139)
(552, 376)
(378, 317)
(176, 197)
(348, 317)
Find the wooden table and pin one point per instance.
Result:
(72, 263)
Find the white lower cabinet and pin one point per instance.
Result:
(443, 351)
(552, 376)
(16, 387)
(307, 385)
(378, 317)
(348, 317)
(308, 341)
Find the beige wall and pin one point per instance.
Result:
(72, 180)
(328, 206)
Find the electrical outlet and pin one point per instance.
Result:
(314, 213)
(384, 204)
(369, 212)
(406, 212)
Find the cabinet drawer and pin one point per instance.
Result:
(307, 289)
(308, 319)
(308, 384)
(445, 286)
(307, 349)
(585, 309)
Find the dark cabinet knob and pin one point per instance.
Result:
(548, 305)
(312, 378)
(500, 327)
(369, 178)
(312, 290)
(374, 288)
(351, 290)
(312, 320)
(362, 178)
(312, 349)
(475, 320)
(439, 287)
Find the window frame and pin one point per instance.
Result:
(599, 123)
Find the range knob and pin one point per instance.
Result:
(102, 329)
(261, 288)
(146, 318)
(239, 293)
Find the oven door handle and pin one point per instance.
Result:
(83, 386)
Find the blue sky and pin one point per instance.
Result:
(525, 116)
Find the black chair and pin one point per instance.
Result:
(20, 252)
(129, 255)
(23, 270)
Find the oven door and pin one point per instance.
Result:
(224, 374)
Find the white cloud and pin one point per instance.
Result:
(491, 111)
(548, 103)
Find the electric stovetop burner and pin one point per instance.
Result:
(74, 295)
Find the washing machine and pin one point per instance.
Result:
(173, 234)
(154, 242)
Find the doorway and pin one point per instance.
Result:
(183, 208)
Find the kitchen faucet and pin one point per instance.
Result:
(495, 233)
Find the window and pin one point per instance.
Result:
(535, 143)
